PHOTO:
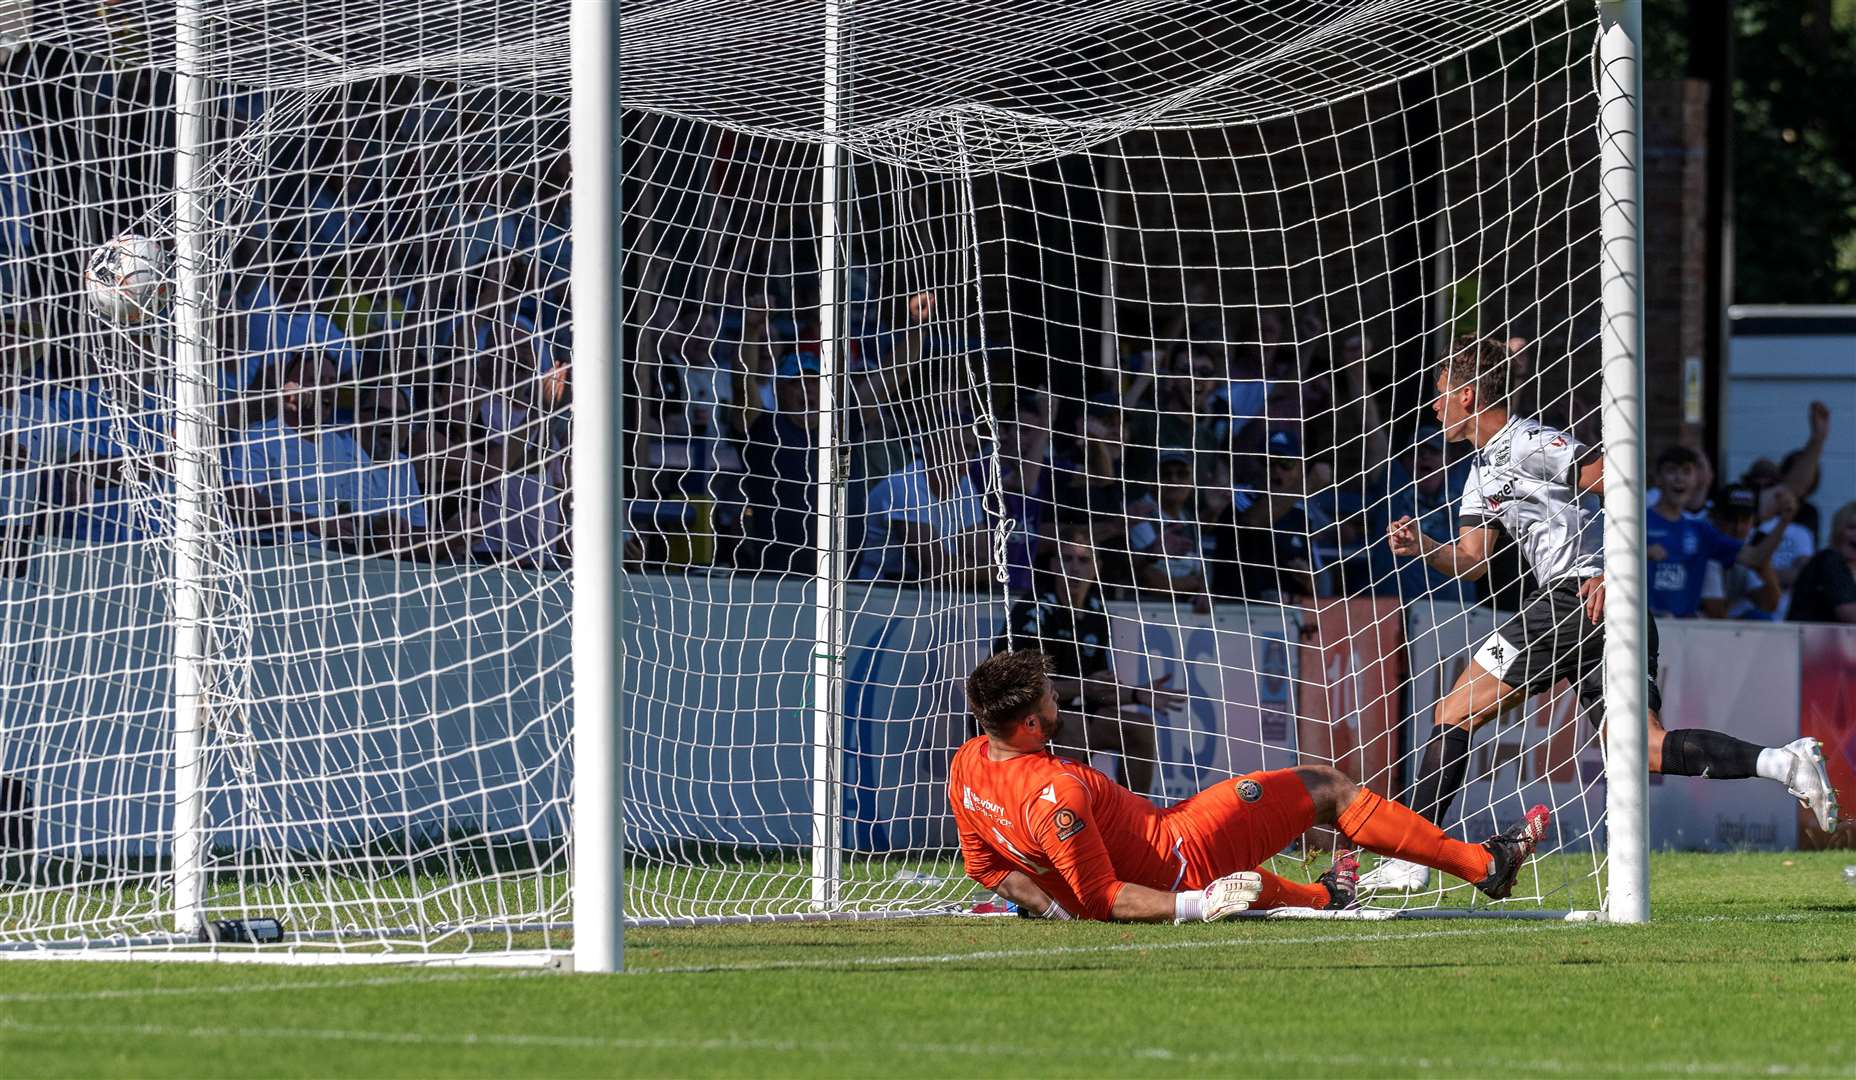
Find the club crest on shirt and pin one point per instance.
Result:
(1249, 790)
(1067, 823)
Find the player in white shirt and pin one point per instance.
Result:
(1527, 480)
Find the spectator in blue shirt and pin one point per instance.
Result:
(1749, 587)
(298, 470)
(1681, 547)
(781, 461)
(1428, 497)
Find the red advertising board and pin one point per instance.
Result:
(1349, 677)
(1827, 711)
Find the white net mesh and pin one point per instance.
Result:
(1138, 305)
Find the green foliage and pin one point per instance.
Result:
(1795, 153)
(1746, 971)
(1794, 142)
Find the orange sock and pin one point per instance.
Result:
(1278, 892)
(1383, 826)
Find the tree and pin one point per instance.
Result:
(1795, 152)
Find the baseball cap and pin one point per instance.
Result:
(1175, 457)
(1737, 500)
(1285, 442)
(793, 365)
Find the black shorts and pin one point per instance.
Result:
(1551, 639)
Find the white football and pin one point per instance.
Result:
(127, 280)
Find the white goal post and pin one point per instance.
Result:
(569, 467)
(1626, 598)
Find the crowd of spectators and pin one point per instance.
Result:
(1749, 549)
(1262, 470)
(392, 360)
(390, 351)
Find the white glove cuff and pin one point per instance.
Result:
(1189, 907)
(1055, 911)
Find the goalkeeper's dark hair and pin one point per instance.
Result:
(1487, 364)
(1005, 687)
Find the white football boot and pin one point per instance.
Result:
(1395, 875)
(1809, 783)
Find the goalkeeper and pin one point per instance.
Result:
(1064, 841)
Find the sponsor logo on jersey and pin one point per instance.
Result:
(1557, 441)
(1049, 794)
(979, 804)
(1067, 822)
(1249, 790)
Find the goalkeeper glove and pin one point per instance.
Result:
(1221, 899)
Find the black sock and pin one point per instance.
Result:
(1698, 752)
(1440, 772)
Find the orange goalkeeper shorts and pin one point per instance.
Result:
(1238, 824)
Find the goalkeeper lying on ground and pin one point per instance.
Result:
(1062, 840)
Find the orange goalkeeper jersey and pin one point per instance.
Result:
(1078, 834)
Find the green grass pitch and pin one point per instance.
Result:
(1748, 969)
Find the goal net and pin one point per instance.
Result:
(1126, 318)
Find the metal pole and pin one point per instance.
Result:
(1627, 822)
(1109, 347)
(827, 812)
(599, 495)
(193, 455)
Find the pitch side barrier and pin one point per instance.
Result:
(731, 693)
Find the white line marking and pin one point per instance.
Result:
(864, 1051)
(236, 989)
(1088, 950)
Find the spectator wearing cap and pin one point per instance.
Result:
(926, 519)
(1796, 542)
(1220, 504)
(1166, 537)
(301, 472)
(1023, 447)
(1747, 588)
(1091, 483)
(1680, 546)
(1801, 469)
(1428, 496)
(780, 464)
(1826, 587)
(1274, 554)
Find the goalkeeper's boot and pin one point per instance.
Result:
(1395, 875)
(1509, 849)
(1809, 783)
(1342, 881)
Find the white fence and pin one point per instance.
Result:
(394, 701)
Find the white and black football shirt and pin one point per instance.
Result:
(1526, 480)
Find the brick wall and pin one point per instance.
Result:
(1676, 249)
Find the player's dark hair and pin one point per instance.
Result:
(1485, 363)
(1006, 686)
